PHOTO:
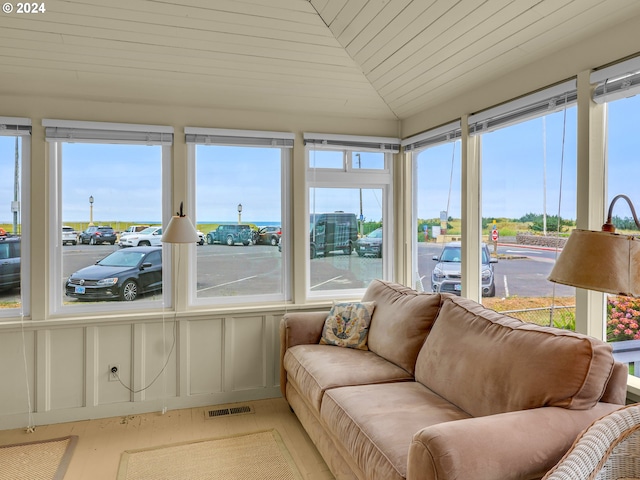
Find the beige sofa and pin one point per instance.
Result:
(447, 390)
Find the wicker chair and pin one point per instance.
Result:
(608, 450)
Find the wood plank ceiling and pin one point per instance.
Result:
(385, 59)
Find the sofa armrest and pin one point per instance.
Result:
(299, 328)
(523, 444)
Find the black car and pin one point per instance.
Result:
(230, 234)
(96, 235)
(9, 262)
(124, 274)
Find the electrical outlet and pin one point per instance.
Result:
(114, 371)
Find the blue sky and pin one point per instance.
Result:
(125, 181)
(513, 172)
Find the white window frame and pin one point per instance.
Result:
(351, 178)
(67, 131)
(11, 127)
(195, 136)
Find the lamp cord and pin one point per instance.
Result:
(168, 356)
(30, 425)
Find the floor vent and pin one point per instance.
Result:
(221, 412)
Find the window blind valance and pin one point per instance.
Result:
(617, 81)
(352, 142)
(446, 133)
(96, 132)
(247, 138)
(15, 126)
(537, 104)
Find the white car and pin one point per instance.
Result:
(129, 231)
(69, 235)
(200, 238)
(148, 236)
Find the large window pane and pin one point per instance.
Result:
(438, 218)
(623, 145)
(10, 222)
(109, 194)
(528, 203)
(239, 211)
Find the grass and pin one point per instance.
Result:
(562, 317)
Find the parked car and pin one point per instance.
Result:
(370, 244)
(96, 235)
(332, 231)
(447, 274)
(9, 262)
(150, 236)
(230, 234)
(268, 235)
(130, 230)
(124, 274)
(200, 238)
(69, 235)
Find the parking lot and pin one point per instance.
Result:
(247, 270)
(224, 271)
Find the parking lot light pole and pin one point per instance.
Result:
(91, 211)
(239, 213)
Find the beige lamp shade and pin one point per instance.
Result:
(603, 261)
(180, 230)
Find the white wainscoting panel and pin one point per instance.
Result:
(204, 356)
(65, 365)
(13, 393)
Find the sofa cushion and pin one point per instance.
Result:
(486, 363)
(316, 368)
(347, 325)
(401, 321)
(375, 424)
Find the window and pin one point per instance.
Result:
(106, 178)
(349, 198)
(241, 199)
(618, 90)
(528, 158)
(14, 195)
(437, 180)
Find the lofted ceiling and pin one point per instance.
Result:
(384, 59)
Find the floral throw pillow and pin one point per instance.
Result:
(348, 325)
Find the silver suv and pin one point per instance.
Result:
(447, 275)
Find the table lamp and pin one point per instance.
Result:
(604, 261)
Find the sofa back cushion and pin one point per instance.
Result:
(487, 363)
(401, 321)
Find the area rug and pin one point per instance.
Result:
(43, 460)
(260, 455)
